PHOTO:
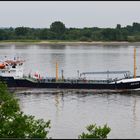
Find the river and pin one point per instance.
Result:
(71, 111)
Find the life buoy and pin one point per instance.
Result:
(2, 66)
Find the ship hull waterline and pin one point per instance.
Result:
(24, 83)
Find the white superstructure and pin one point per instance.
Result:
(128, 80)
(12, 68)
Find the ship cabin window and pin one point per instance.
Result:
(20, 64)
(3, 71)
(14, 66)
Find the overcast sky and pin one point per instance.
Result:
(72, 13)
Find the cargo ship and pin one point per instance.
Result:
(11, 72)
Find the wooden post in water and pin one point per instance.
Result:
(135, 63)
(56, 71)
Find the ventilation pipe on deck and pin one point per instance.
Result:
(135, 63)
(56, 71)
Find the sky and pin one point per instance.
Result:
(79, 14)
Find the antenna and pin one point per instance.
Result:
(135, 63)
(56, 71)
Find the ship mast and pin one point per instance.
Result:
(56, 71)
(135, 63)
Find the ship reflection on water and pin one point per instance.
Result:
(71, 110)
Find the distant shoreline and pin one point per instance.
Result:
(70, 42)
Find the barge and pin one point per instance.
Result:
(11, 72)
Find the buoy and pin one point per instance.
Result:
(2, 66)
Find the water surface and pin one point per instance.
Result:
(70, 111)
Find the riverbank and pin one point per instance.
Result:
(91, 43)
(54, 42)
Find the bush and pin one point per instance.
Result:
(15, 124)
(131, 38)
(95, 132)
(83, 38)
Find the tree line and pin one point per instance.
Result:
(58, 31)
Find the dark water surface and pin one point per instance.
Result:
(70, 111)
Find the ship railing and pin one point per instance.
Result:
(72, 81)
(81, 81)
(30, 78)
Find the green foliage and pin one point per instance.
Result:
(44, 34)
(15, 124)
(131, 38)
(83, 38)
(95, 132)
(137, 38)
(136, 27)
(58, 28)
(58, 31)
(118, 26)
(21, 31)
(3, 35)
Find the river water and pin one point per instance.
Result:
(71, 111)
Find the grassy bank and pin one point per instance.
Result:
(67, 42)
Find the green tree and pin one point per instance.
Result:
(73, 34)
(95, 132)
(15, 124)
(21, 31)
(44, 34)
(97, 35)
(129, 29)
(118, 26)
(136, 26)
(3, 34)
(58, 28)
(58, 31)
(109, 34)
(87, 32)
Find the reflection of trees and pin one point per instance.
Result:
(56, 100)
(134, 111)
(59, 102)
